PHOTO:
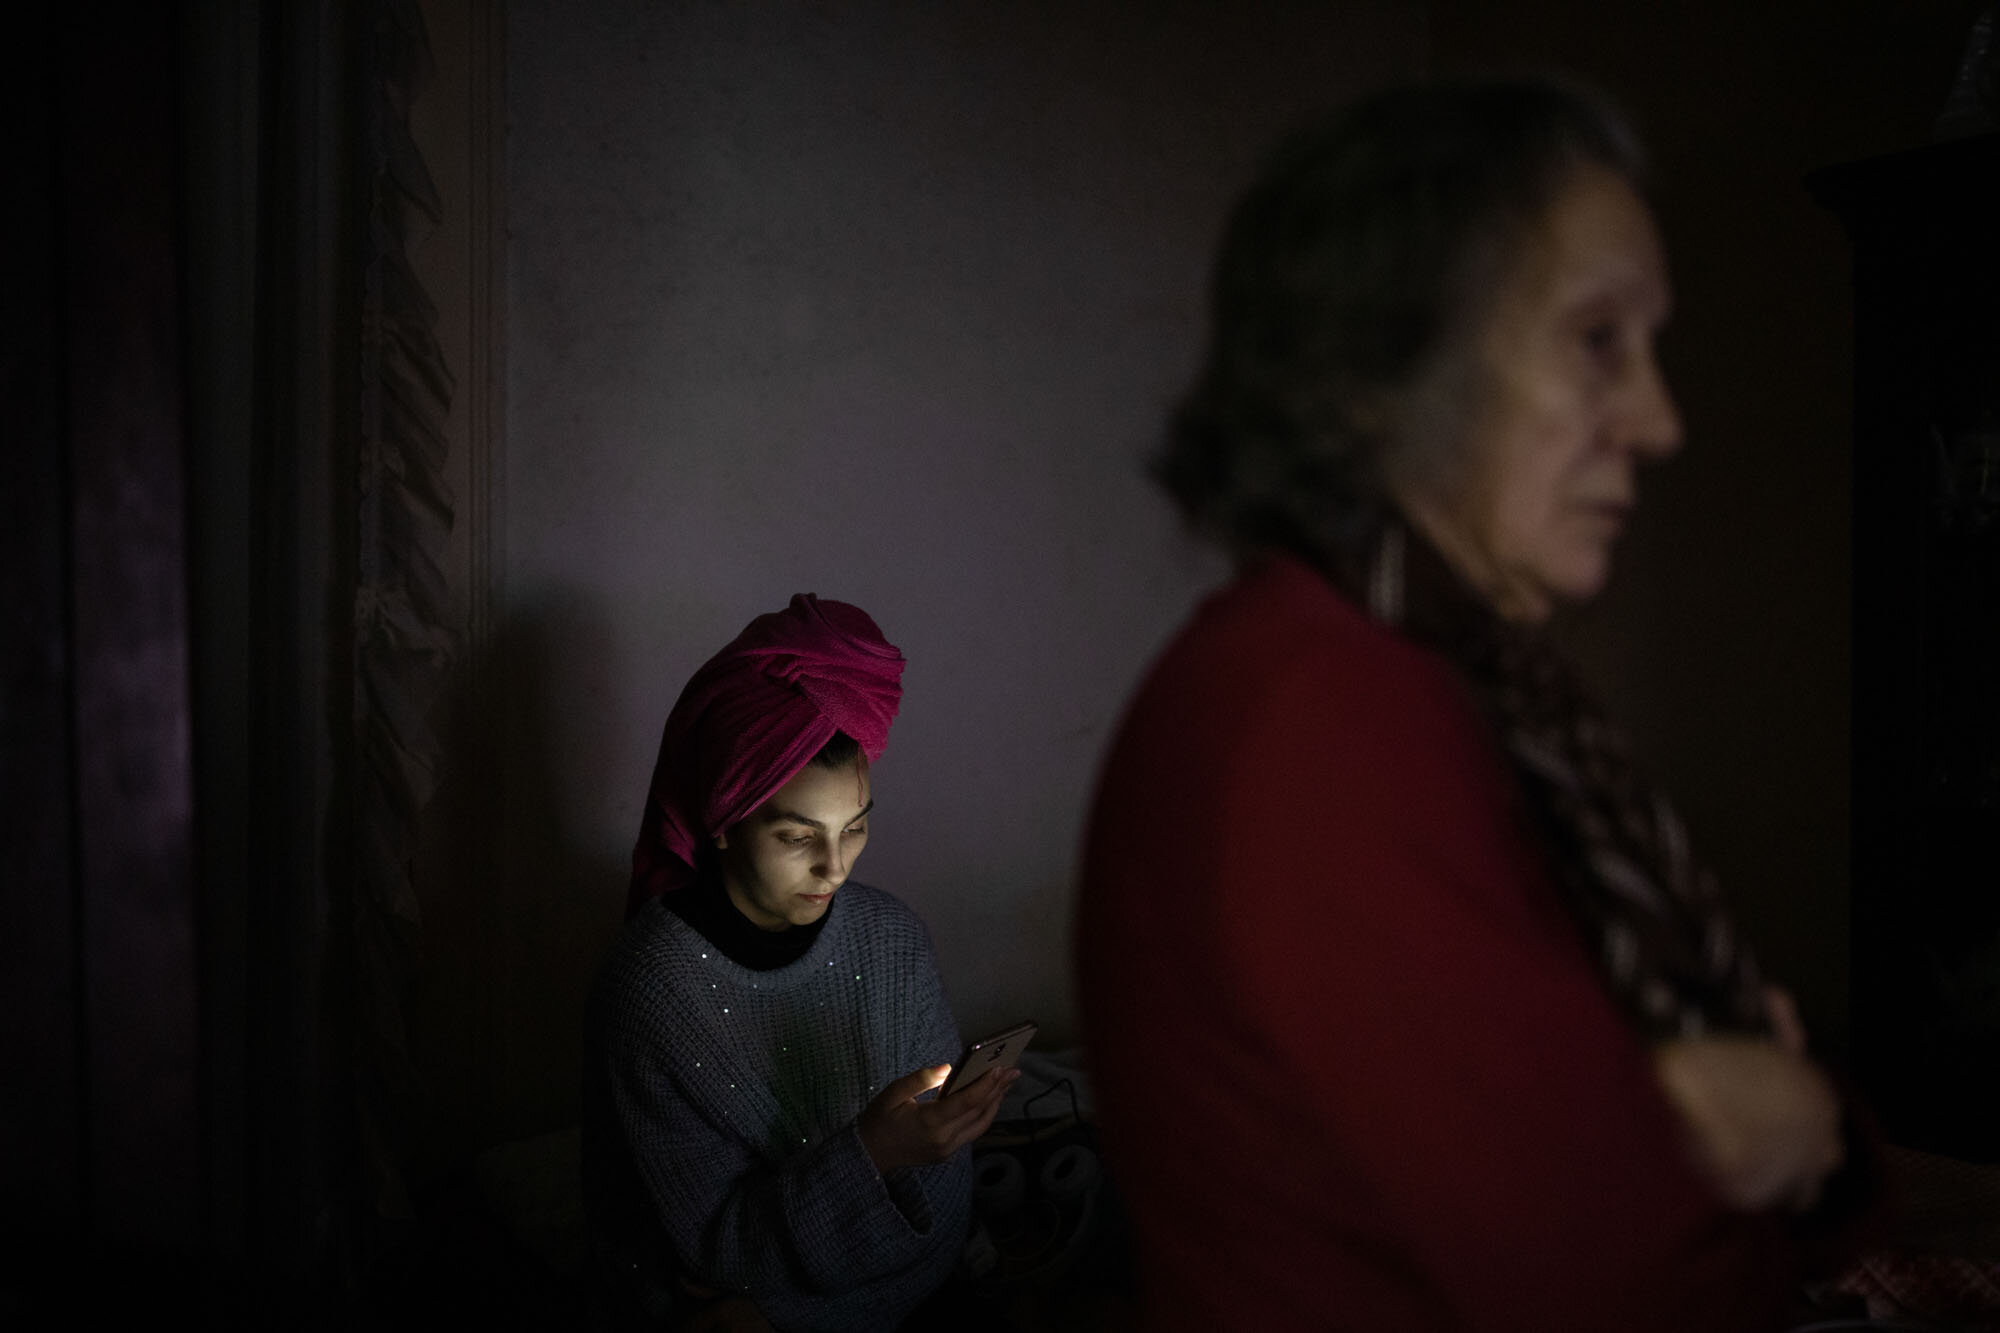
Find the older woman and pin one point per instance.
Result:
(759, 1149)
(1410, 1007)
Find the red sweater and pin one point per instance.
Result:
(1355, 1067)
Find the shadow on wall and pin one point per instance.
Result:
(518, 910)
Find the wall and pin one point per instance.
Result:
(886, 302)
(1723, 642)
(883, 302)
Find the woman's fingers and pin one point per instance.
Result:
(898, 1130)
(1786, 1025)
(984, 1120)
(981, 1086)
(1765, 1122)
(964, 1116)
(913, 1085)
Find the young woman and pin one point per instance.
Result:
(759, 1146)
(1463, 1038)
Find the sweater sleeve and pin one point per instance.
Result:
(1433, 1013)
(939, 1194)
(822, 1221)
(818, 1235)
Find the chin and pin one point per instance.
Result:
(1578, 591)
(1580, 578)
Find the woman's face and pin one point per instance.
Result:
(782, 864)
(1564, 401)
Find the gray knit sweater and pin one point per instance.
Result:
(719, 1108)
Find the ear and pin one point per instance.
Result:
(722, 842)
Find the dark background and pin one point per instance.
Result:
(195, 1105)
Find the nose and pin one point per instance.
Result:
(1653, 422)
(834, 860)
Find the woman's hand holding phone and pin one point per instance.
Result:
(898, 1130)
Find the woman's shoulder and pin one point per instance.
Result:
(1280, 629)
(1279, 686)
(873, 913)
(650, 957)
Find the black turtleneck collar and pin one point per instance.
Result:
(705, 905)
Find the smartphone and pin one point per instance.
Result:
(999, 1051)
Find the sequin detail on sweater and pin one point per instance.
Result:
(719, 1110)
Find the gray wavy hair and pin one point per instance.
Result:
(1368, 244)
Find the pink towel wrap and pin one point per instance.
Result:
(751, 718)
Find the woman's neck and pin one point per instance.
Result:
(1511, 599)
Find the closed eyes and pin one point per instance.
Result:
(807, 839)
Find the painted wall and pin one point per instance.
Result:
(884, 302)
(887, 301)
(1723, 643)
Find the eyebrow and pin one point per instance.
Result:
(794, 817)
